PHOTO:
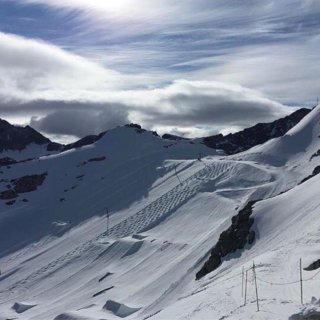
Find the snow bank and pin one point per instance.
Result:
(119, 309)
(70, 316)
(21, 307)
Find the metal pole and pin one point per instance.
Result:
(107, 222)
(242, 282)
(245, 290)
(176, 173)
(256, 285)
(301, 287)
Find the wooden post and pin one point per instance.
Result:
(245, 289)
(301, 287)
(256, 285)
(242, 283)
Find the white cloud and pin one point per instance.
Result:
(204, 106)
(191, 108)
(288, 72)
(37, 78)
(271, 46)
(31, 69)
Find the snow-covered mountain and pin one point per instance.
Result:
(21, 143)
(120, 228)
(256, 135)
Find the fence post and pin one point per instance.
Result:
(242, 282)
(301, 287)
(246, 287)
(256, 285)
(176, 173)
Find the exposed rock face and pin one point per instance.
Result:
(230, 240)
(28, 183)
(8, 195)
(258, 134)
(139, 129)
(17, 138)
(22, 185)
(83, 142)
(97, 159)
(7, 161)
(316, 154)
(313, 266)
(173, 137)
(315, 172)
(54, 146)
(134, 125)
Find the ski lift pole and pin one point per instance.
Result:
(242, 283)
(301, 280)
(176, 173)
(256, 285)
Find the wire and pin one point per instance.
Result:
(288, 283)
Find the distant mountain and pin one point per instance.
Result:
(258, 134)
(83, 142)
(16, 138)
(122, 228)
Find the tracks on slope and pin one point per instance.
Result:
(143, 220)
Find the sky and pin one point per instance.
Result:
(70, 68)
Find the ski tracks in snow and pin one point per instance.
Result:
(145, 219)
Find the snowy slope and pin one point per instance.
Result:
(295, 148)
(60, 260)
(31, 151)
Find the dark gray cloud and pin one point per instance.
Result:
(191, 107)
(205, 107)
(79, 123)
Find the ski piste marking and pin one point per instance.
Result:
(144, 219)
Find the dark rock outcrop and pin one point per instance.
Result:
(231, 240)
(316, 154)
(22, 185)
(28, 183)
(135, 126)
(8, 195)
(173, 137)
(97, 159)
(17, 138)
(315, 172)
(54, 146)
(258, 134)
(7, 161)
(313, 266)
(139, 129)
(83, 142)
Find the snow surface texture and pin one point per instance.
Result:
(167, 209)
(309, 312)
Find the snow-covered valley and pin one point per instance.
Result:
(119, 229)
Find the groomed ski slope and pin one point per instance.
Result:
(59, 260)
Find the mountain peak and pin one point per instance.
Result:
(258, 134)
